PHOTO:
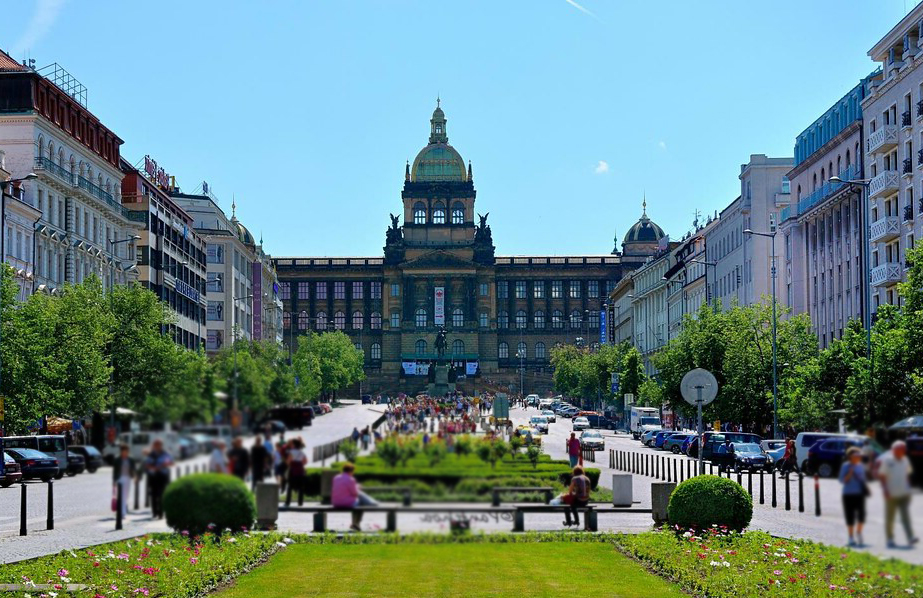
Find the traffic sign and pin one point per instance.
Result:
(615, 382)
(699, 387)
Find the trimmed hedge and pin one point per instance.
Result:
(196, 502)
(704, 501)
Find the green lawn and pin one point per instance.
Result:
(528, 569)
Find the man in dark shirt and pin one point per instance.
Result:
(258, 460)
(240, 458)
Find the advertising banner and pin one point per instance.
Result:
(410, 368)
(471, 368)
(439, 308)
(603, 331)
(257, 300)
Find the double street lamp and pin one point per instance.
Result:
(775, 369)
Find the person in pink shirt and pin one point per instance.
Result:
(345, 494)
(573, 449)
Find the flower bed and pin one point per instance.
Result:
(718, 564)
(172, 565)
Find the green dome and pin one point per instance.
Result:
(438, 162)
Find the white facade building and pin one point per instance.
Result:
(893, 118)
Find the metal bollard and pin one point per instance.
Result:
(137, 492)
(801, 493)
(817, 495)
(22, 511)
(688, 469)
(147, 491)
(667, 464)
(750, 483)
(49, 524)
(788, 495)
(774, 503)
(762, 497)
(711, 468)
(739, 477)
(118, 506)
(676, 468)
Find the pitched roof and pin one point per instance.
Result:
(8, 63)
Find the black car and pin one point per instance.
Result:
(366, 399)
(275, 427)
(92, 456)
(11, 472)
(75, 463)
(600, 421)
(751, 457)
(34, 464)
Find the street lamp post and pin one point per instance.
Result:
(3, 186)
(775, 369)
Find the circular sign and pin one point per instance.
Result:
(699, 385)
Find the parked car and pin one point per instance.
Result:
(273, 425)
(206, 443)
(54, 445)
(215, 432)
(91, 455)
(11, 471)
(526, 429)
(366, 399)
(318, 410)
(674, 443)
(550, 416)
(600, 421)
(776, 454)
(684, 449)
(805, 441)
(581, 423)
(540, 423)
(327, 407)
(294, 418)
(661, 437)
(826, 456)
(771, 445)
(188, 448)
(734, 437)
(34, 465)
(140, 442)
(751, 457)
(647, 437)
(75, 463)
(592, 439)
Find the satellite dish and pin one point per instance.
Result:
(699, 385)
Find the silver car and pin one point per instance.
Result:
(581, 423)
(592, 439)
(549, 414)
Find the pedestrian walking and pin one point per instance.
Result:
(345, 493)
(217, 461)
(259, 459)
(578, 496)
(123, 472)
(573, 449)
(894, 471)
(278, 464)
(855, 491)
(239, 458)
(297, 459)
(158, 464)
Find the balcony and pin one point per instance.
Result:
(883, 184)
(908, 166)
(920, 157)
(886, 274)
(908, 213)
(47, 165)
(821, 193)
(882, 140)
(920, 109)
(884, 229)
(906, 119)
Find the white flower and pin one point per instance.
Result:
(715, 564)
(726, 564)
(288, 540)
(909, 590)
(232, 540)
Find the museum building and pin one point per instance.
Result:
(502, 314)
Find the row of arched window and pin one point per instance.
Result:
(458, 347)
(522, 351)
(439, 213)
(375, 350)
(49, 152)
(558, 321)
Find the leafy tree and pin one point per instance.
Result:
(328, 362)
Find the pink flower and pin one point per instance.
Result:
(62, 572)
(96, 564)
(777, 572)
(144, 591)
(114, 588)
(193, 560)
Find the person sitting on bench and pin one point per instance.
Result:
(579, 495)
(345, 494)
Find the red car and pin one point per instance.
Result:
(11, 472)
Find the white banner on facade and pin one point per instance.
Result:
(439, 310)
(410, 368)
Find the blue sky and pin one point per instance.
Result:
(306, 111)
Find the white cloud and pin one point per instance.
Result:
(662, 145)
(44, 17)
(602, 167)
(582, 9)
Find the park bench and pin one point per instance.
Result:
(497, 491)
(590, 513)
(481, 512)
(405, 491)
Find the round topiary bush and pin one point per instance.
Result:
(194, 502)
(704, 501)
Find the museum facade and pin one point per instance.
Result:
(502, 314)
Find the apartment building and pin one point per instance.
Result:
(893, 123)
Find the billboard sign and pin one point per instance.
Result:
(439, 308)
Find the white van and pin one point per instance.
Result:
(54, 445)
(805, 440)
(139, 443)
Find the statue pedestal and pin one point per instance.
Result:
(441, 386)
